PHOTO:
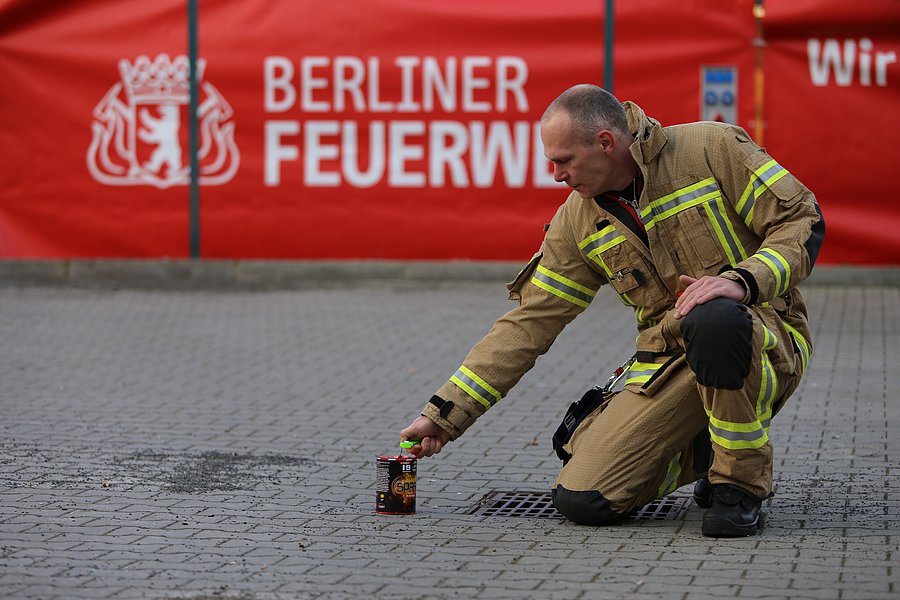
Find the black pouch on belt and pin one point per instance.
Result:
(592, 400)
(577, 412)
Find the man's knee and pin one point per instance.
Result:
(585, 507)
(718, 339)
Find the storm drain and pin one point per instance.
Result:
(539, 505)
(667, 507)
(516, 504)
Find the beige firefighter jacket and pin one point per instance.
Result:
(713, 202)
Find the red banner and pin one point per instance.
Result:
(833, 114)
(403, 130)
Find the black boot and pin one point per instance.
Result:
(703, 491)
(734, 512)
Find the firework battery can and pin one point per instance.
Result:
(395, 485)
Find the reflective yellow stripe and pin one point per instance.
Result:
(728, 239)
(601, 241)
(670, 483)
(802, 344)
(593, 245)
(761, 178)
(475, 386)
(639, 315)
(779, 267)
(768, 385)
(677, 201)
(755, 434)
(563, 287)
(641, 372)
(737, 436)
(707, 194)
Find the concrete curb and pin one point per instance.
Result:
(289, 274)
(239, 274)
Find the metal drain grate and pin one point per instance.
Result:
(539, 505)
(516, 504)
(667, 507)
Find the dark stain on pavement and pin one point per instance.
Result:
(211, 471)
(217, 595)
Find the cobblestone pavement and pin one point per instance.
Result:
(221, 445)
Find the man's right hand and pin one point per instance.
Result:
(433, 438)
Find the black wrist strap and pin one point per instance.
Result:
(444, 407)
(456, 415)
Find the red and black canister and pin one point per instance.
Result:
(395, 485)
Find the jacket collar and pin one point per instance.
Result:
(648, 133)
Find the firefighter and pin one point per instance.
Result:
(705, 237)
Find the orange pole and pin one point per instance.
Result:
(759, 74)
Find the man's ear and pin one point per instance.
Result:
(606, 140)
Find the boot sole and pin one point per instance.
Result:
(723, 528)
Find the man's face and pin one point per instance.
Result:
(588, 168)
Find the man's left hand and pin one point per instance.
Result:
(698, 291)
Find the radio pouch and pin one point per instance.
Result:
(578, 411)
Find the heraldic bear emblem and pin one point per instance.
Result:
(138, 138)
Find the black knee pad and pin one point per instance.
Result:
(718, 338)
(585, 508)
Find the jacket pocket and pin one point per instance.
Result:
(697, 239)
(784, 186)
(632, 277)
(624, 281)
(515, 286)
(663, 374)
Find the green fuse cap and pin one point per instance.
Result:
(409, 444)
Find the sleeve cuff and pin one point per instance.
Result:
(735, 275)
(449, 416)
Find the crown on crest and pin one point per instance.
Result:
(159, 81)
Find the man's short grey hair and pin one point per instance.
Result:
(591, 108)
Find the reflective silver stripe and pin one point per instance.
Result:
(596, 242)
(738, 436)
(779, 267)
(802, 344)
(804, 354)
(733, 247)
(768, 175)
(641, 372)
(755, 434)
(670, 483)
(764, 176)
(635, 374)
(677, 201)
(475, 387)
(749, 200)
(767, 391)
(769, 380)
(706, 193)
(556, 284)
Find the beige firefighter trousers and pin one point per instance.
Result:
(638, 445)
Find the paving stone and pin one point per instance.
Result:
(200, 444)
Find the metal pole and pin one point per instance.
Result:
(194, 193)
(608, 46)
